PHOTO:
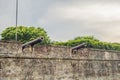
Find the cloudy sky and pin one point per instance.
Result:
(66, 19)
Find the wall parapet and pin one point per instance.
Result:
(11, 49)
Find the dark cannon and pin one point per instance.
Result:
(75, 48)
(32, 43)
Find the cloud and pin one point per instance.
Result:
(66, 19)
(85, 13)
(7, 14)
(91, 19)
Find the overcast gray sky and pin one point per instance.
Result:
(66, 19)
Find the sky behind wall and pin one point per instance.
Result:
(66, 19)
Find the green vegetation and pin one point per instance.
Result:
(25, 34)
(91, 42)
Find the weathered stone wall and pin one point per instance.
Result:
(57, 63)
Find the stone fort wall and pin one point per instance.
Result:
(57, 63)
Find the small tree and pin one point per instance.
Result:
(25, 34)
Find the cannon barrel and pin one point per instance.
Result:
(78, 47)
(32, 43)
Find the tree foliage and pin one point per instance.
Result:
(91, 42)
(25, 34)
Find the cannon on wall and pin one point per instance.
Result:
(32, 43)
(75, 48)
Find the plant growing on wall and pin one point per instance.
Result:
(91, 42)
